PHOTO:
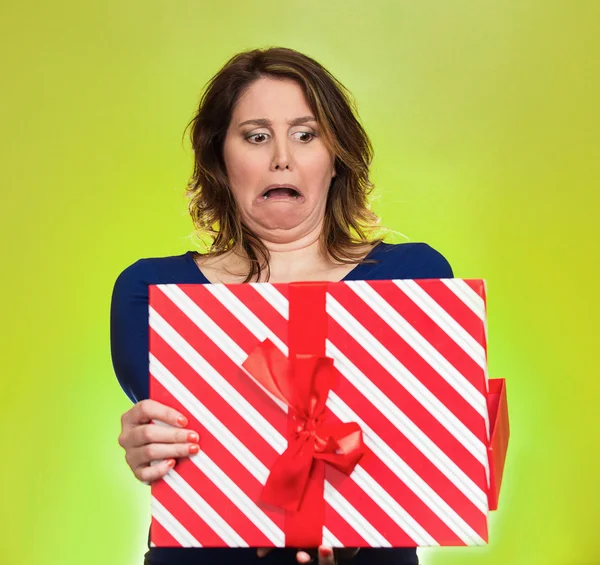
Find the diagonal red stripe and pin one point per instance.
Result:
(418, 462)
(202, 342)
(229, 419)
(262, 308)
(435, 335)
(402, 351)
(452, 304)
(439, 480)
(396, 392)
(218, 453)
(184, 515)
(373, 513)
(239, 521)
(477, 286)
(160, 536)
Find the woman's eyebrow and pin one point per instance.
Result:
(265, 123)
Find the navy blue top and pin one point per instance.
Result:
(129, 348)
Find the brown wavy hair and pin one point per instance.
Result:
(349, 223)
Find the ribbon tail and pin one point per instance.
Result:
(288, 478)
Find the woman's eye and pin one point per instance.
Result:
(304, 136)
(257, 137)
(260, 138)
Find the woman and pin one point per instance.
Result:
(280, 184)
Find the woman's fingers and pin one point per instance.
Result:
(151, 433)
(323, 555)
(326, 555)
(139, 456)
(150, 473)
(145, 442)
(147, 410)
(303, 557)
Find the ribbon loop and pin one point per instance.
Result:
(303, 383)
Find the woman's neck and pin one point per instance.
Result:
(298, 260)
(293, 260)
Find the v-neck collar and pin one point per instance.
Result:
(357, 273)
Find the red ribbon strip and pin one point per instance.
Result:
(303, 383)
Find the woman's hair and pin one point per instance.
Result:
(349, 222)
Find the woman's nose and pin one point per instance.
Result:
(281, 157)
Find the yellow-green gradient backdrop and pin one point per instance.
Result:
(484, 116)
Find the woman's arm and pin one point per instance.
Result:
(129, 330)
(142, 440)
(425, 262)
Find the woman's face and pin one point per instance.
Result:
(273, 139)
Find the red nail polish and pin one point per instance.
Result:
(171, 463)
(326, 551)
(193, 437)
(193, 449)
(182, 421)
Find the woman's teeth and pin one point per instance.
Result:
(281, 193)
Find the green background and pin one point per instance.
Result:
(484, 116)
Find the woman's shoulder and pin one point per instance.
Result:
(160, 270)
(412, 260)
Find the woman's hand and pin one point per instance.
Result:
(327, 556)
(144, 441)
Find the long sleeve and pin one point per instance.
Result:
(129, 330)
(426, 263)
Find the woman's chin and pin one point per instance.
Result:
(280, 218)
(281, 229)
(280, 225)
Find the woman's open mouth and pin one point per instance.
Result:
(281, 193)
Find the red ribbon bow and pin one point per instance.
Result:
(303, 383)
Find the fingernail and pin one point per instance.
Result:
(325, 552)
(171, 463)
(194, 448)
(193, 437)
(182, 421)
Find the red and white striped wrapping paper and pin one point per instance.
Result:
(413, 365)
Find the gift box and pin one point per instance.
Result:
(353, 414)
